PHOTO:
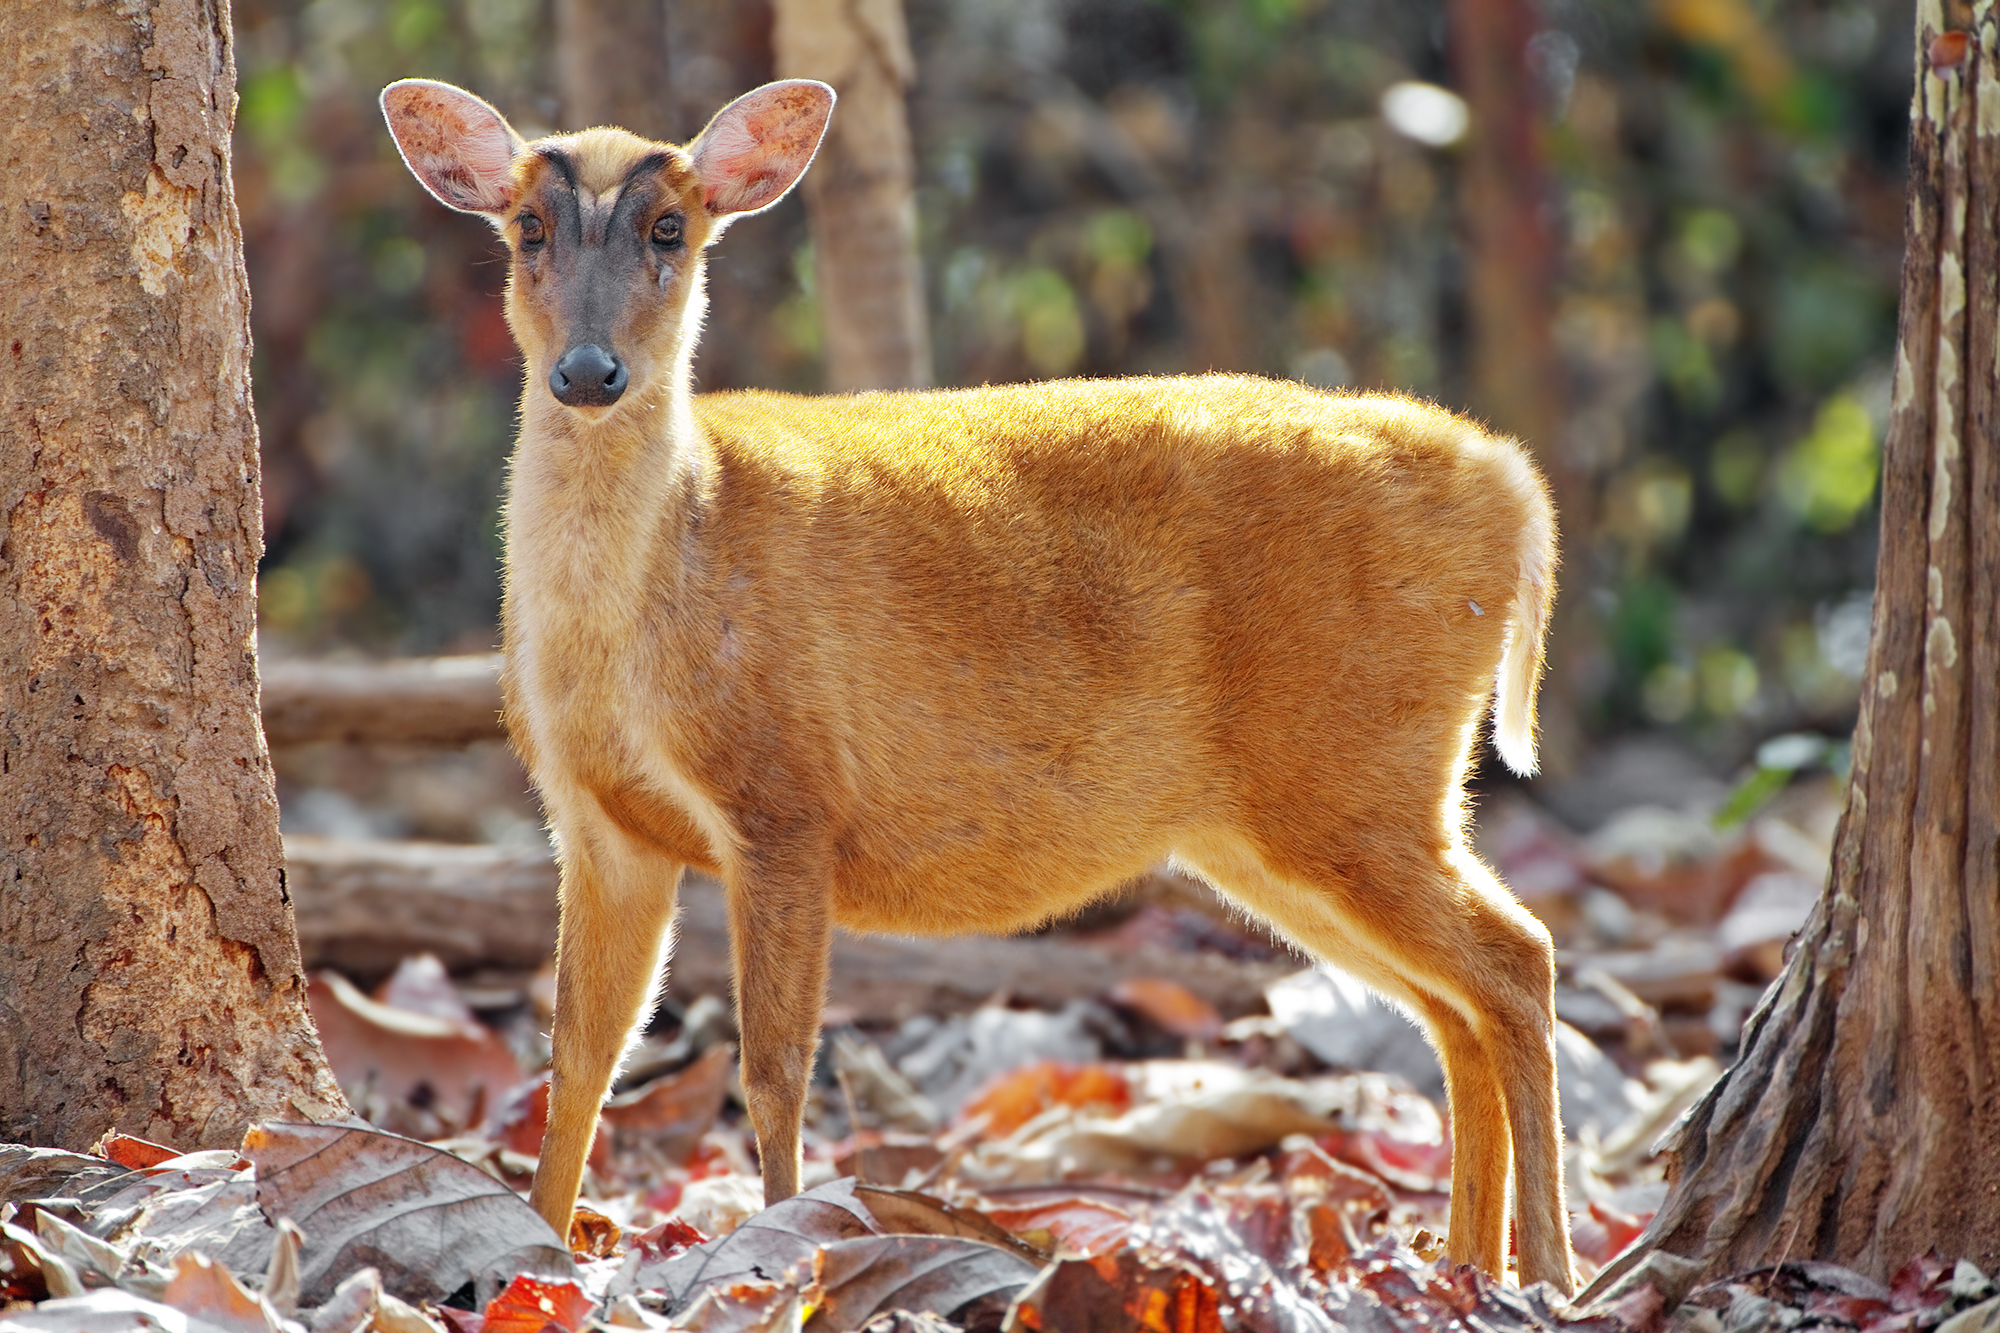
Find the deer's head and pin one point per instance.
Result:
(606, 229)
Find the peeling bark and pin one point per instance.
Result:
(149, 973)
(1858, 1126)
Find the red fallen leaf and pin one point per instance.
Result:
(136, 1153)
(1590, 1238)
(397, 1052)
(1620, 1228)
(1170, 1005)
(1077, 1226)
(592, 1235)
(1412, 1166)
(521, 1118)
(1920, 1284)
(666, 1240)
(533, 1304)
(1860, 1311)
(1012, 1099)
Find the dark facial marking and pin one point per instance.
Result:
(560, 160)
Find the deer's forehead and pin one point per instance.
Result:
(599, 166)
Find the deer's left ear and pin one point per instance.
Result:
(758, 146)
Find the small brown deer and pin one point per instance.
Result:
(962, 661)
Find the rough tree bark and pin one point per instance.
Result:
(149, 973)
(1859, 1124)
(612, 65)
(860, 194)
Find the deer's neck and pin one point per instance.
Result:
(599, 517)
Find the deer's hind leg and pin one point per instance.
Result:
(1438, 933)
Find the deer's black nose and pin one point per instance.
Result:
(588, 376)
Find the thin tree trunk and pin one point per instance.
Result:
(860, 194)
(611, 62)
(149, 973)
(1518, 379)
(1859, 1124)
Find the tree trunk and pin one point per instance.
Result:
(1518, 381)
(149, 973)
(611, 62)
(860, 194)
(1859, 1124)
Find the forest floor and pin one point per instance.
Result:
(1135, 1159)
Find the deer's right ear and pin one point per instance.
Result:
(460, 148)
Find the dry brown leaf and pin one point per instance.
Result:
(668, 1116)
(206, 1290)
(768, 1246)
(856, 1280)
(429, 1221)
(452, 1065)
(909, 1213)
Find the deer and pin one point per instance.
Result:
(967, 660)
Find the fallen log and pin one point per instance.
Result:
(362, 906)
(416, 701)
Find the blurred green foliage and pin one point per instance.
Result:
(1137, 186)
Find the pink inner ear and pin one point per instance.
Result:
(455, 144)
(757, 147)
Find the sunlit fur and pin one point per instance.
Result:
(963, 661)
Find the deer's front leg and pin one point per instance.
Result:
(780, 928)
(617, 902)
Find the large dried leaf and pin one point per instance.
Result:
(45, 1173)
(856, 1280)
(909, 1213)
(767, 1247)
(429, 1221)
(107, 1311)
(196, 1202)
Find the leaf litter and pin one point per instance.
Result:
(1137, 1163)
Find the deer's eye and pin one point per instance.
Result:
(667, 231)
(532, 232)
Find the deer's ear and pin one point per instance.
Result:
(758, 146)
(460, 148)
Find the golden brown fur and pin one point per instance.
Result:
(962, 661)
